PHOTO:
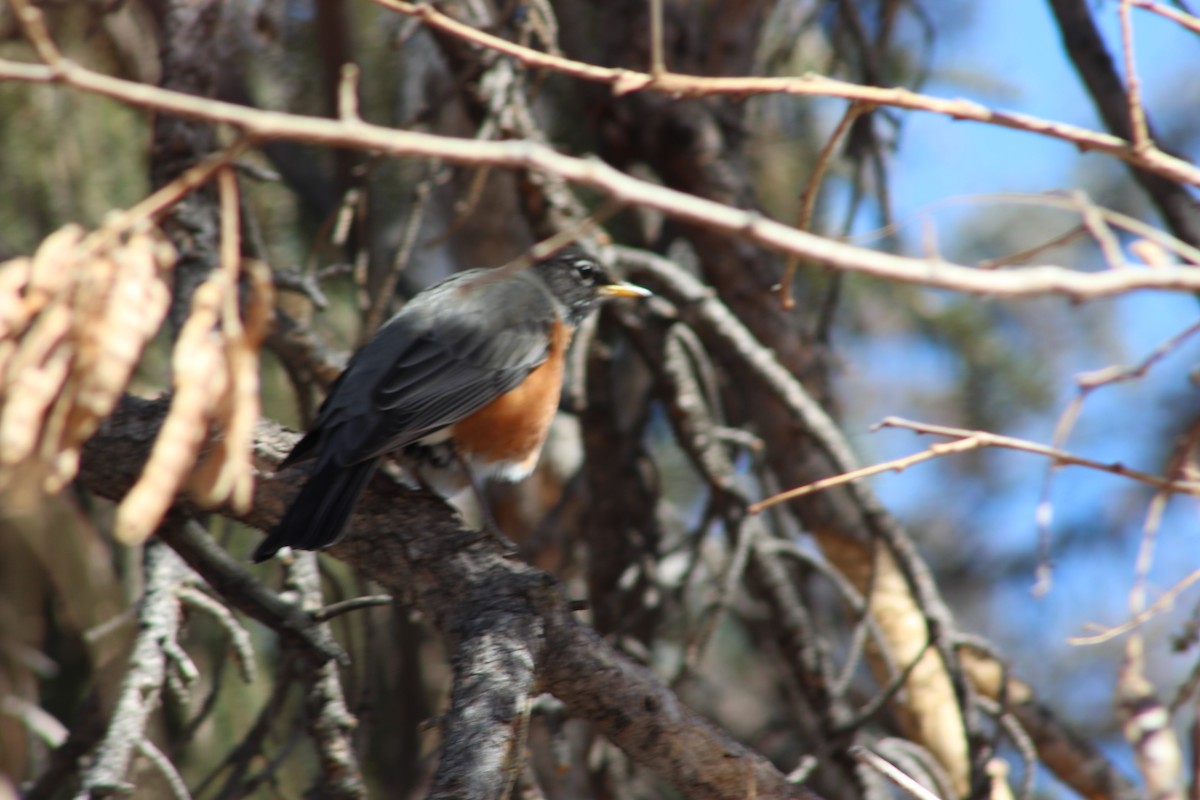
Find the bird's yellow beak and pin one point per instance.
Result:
(622, 290)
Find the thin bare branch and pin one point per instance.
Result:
(1163, 603)
(891, 772)
(1137, 114)
(260, 125)
(673, 83)
(970, 440)
(808, 198)
(1184, 19)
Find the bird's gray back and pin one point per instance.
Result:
(447, 353)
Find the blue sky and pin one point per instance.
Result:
(939, 159)
(1016, 47)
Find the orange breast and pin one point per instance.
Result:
(511, 429)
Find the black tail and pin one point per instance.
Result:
(319, 513)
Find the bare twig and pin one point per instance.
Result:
(1145, 557)
(1163, 603)
(1087, 383)
(673, 83)
(353, 604)
(306, 283)
(658, 64)
(883, 697)
(808, 198)
(1088, 51)
(1094, 222)
(248, 748)
(240, 588)
(239, 637)
(996, 440)
(894, 465)
(1187, 21)
(1059, 200)
(1137, 114)
(65, 762)
(1023, 255)
(970, 440)
(889, 771)
(347, 92)
(385, 293)
(163, 764)
(1092, 380)
(34, 23)
(36, 719)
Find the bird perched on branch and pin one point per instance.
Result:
(468, 373)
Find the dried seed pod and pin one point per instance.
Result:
(134, 310)
(55, 266)
(35, 375)
(74, 321)
(14, 315)
(235, 480)
(200, 379)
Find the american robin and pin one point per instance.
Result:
(468, 372)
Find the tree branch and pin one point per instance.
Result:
(1073, 759)
(1085, 46)
(505, 622)
(263, 125)
(158, 623)
(330, 723)
(624, 81)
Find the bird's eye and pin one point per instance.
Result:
(586, 271)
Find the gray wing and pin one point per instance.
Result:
(435, 363)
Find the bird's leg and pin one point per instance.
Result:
(490, 526)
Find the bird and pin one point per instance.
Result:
(468, 373)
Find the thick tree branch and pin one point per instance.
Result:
(505, 622)
(227, 575)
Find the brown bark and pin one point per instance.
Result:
(507, 625)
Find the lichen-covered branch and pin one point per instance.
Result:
(158, 622)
